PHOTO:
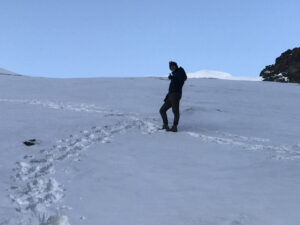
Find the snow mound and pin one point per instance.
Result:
(7, 72)
(219, 75)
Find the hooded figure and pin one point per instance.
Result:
(177, 78)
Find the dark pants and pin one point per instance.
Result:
(172, 101)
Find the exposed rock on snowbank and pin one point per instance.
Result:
(285, 69)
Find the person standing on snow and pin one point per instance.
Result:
(177, 77)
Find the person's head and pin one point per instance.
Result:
(173, 66)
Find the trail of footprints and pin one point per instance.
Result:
(35, 191)
(37, 194)
(279, 152)
(63, 106)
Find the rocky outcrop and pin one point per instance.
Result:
(285, 69)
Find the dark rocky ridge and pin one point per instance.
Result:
(285, 69)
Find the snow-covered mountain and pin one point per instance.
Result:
(220, 75)
(6, 72)
(99, 157)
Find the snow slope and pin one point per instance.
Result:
(6, 72)
(100, 158)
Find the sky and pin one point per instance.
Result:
(116, 38)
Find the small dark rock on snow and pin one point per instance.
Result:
(29, 142)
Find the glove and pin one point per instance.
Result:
(170, 76)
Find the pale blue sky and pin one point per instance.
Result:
(84, 38)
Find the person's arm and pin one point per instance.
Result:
(166, 98)
(184, 76)
(179, 76)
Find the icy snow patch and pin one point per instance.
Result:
(57, 220)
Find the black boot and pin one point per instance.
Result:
(173, 129)
(165, 127)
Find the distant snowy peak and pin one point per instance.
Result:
(219, 75)
(7, 72)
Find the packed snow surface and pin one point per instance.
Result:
(99, 157)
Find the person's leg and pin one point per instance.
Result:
(163, 111)
(175, 100)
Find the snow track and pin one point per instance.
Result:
(36, 193)
(38, 196)
(252, 143)
(63, 106)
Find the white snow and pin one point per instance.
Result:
(220, 75)
(100, 158)
(282, 77)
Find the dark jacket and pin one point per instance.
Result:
(177, 80)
